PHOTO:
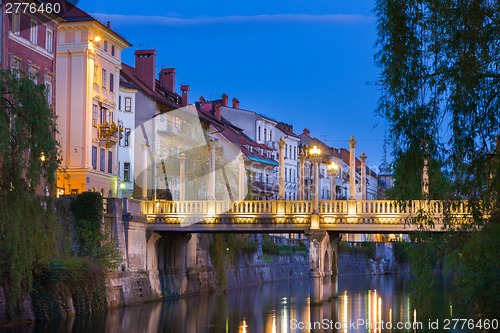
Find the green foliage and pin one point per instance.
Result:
(27, 129)
(94, 240)
(217, 254)
(27, 239)
(87, 209)
(441, 78)
(27, 236)
(76, 278)
(87, 206)
(300, 248)
(365, 248)
(478, 272)
(268, 247)
(401, 252)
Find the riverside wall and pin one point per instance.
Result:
(141, 286)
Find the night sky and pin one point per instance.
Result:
(309, 63)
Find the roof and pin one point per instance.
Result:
(309, 141)
(72, 13)
(346, 158)
(160, 94)
(237, 137)
(287, 129)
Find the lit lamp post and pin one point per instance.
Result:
(122, 188)
(333, 168)
(44, 187)
(315, 154)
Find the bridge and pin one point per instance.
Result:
(280, 216)
(158, 230)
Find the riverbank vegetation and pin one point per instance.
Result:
(440, 83)
(49, 249)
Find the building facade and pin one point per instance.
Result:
(89, 63)
(157, 127)
(126, 140)
(27, 44)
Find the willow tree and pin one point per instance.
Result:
(440, 75)
(28, 162)
(440, 79)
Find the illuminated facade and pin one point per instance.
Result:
(88, 63)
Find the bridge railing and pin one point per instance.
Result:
(335, 210)
(246, 207)
(333, 207)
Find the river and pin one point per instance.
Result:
(365, 304)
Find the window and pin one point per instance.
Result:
(49, 40)
(110, 162)
(286, 171)
(112, 50)
(48, 91)
(259, 133)
(33, 74)
(120, 103)
(102, 159)
(111, 82)
(104, 73)
(15, 66)
(94, 157)
(270, 135)
(127, 137)
(128, 104)
(95, 111)
(103, 116)
(34, 32)
(126, 171)
(16, 23)
(105, 46)
(265, 134)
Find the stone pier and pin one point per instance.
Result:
(323, 264)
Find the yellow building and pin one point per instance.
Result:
(88, 75)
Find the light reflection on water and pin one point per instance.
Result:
(281, 307)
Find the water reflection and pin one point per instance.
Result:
(365, 304)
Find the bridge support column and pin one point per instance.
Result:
(323, 265)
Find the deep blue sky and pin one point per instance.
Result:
(306, 62)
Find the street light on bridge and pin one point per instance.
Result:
(333, 169)
(315, 154)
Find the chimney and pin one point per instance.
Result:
(167, 79)
(109, 24)
(236, 103)
(225, 101)
(307, 132)
(185, 90)
(145, 66)
(217, 111)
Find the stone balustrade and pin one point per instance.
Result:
(291, 216)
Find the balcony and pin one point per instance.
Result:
(108, 134)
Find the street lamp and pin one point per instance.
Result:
(333, 168)
(315, 154)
